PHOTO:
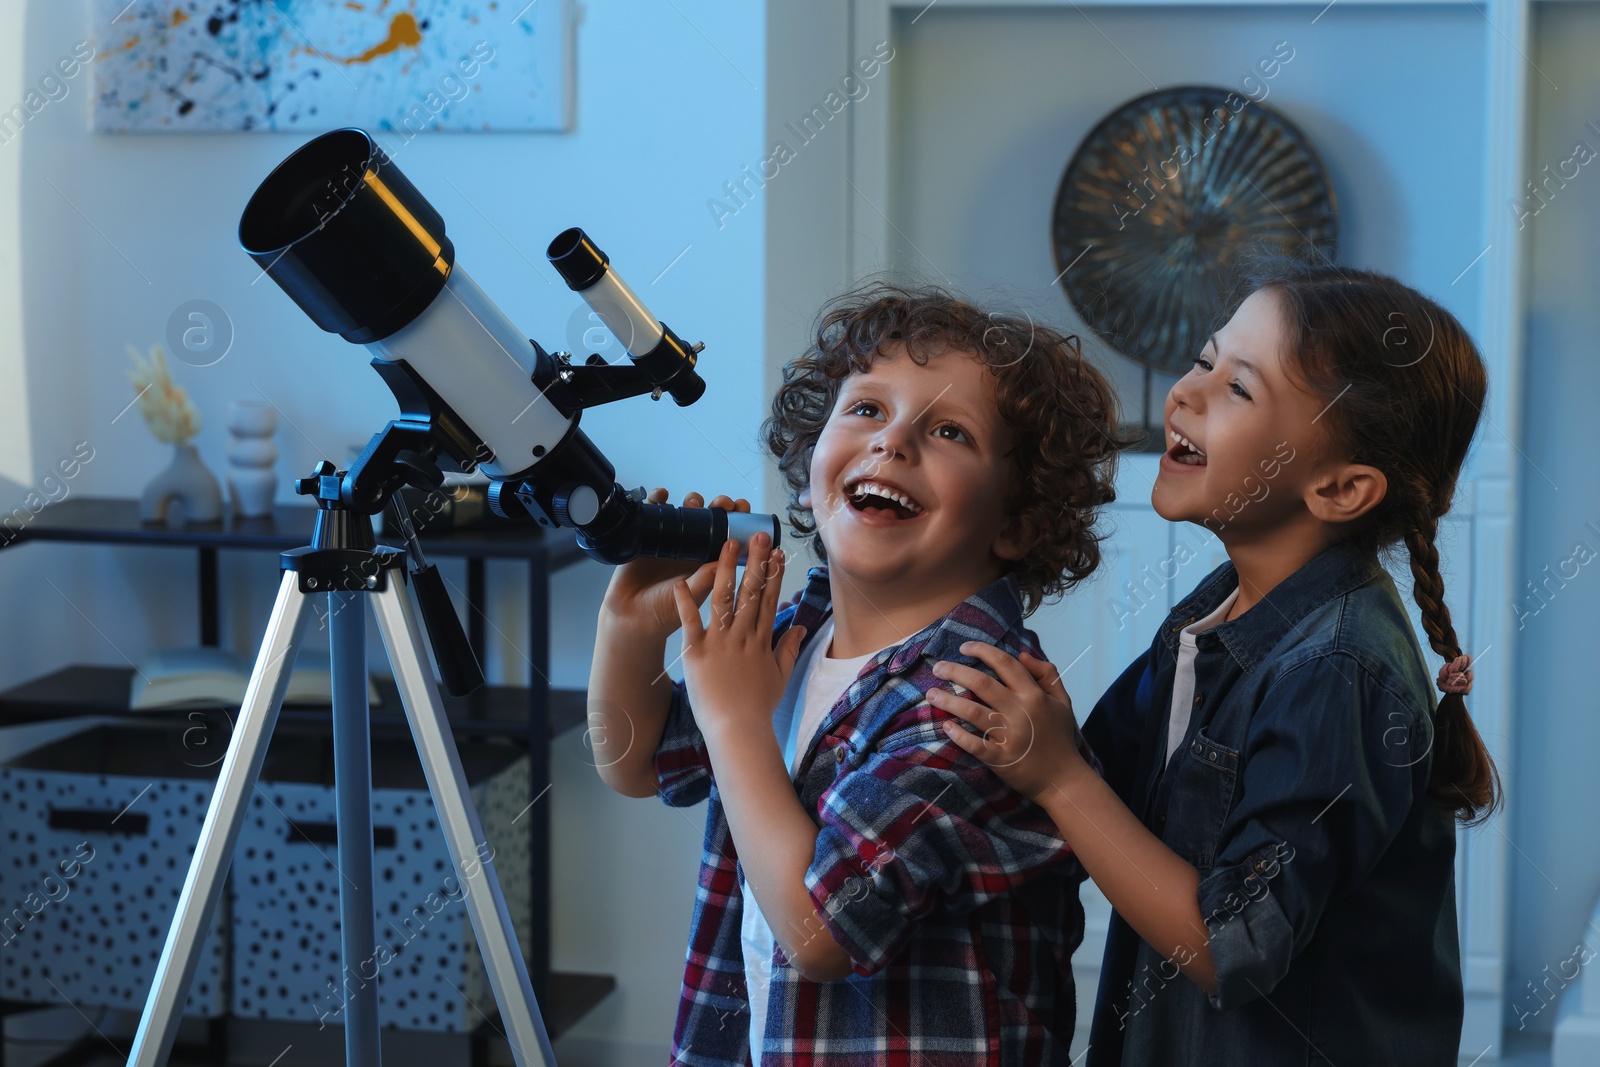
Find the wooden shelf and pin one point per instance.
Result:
(103, 520)
(571, 997)
(492, 711)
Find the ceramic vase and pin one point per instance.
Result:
(188, 481)
(252, 481)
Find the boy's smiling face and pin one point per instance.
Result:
(1260, 448)
(909, 476)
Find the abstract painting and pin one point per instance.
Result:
(395, 66)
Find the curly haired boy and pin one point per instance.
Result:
(869, 892)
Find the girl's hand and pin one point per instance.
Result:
(640, 593)
(734, 674)
(1028, 729)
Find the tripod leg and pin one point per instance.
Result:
(352, 781)
(463, 832)
(213, 853)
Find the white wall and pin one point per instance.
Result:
(117, 232)
(16, 451)
(1555, 868)
(805, 202)
(991, 103)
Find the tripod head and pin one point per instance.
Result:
(344, 557)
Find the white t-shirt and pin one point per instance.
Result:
(1183, 681)
(815, 686)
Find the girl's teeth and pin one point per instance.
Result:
(1193, 456)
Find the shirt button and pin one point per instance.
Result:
(1199, 698)
(839, 753)
(1212, 756)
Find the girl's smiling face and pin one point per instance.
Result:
(909, 475)
(1248, 435)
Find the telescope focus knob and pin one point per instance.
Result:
(576, 505)
(497, 496)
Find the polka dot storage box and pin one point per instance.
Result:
(286, 952)
(95, 842)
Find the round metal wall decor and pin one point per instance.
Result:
(1160, 200)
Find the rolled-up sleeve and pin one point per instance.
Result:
(683, 768)
(921, 824)
(1333, 763)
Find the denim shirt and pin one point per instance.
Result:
(1327, 875)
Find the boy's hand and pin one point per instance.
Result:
(640, 593)
(1025, 714)
(734, 674)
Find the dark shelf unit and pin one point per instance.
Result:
(532, 715)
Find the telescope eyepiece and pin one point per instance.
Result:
(663, 356)
(576, 258)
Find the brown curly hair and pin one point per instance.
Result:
(1061, 411)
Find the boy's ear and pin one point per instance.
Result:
(1345, 492)
(1016, 538)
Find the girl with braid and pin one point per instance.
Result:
(1275, 827)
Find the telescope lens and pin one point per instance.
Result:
(343, 232)
(305, 189)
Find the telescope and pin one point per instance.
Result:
(352, 241)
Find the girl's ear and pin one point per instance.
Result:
(1015, 539)
(1345, 492)
(804, 499)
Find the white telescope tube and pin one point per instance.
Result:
(479, 363)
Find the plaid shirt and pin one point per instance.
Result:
(953, 895)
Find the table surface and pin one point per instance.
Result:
(108, 520)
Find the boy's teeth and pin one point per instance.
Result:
(873, 488)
